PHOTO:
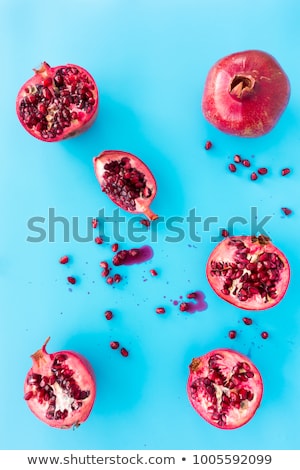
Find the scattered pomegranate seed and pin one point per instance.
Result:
(117, 278)
(246, 163)
(103, 264)
(114, 344)
(64, 260)
(94, 223)
(225, 233)
(192, 295)
(115, 247)
(285, 171)
(47, 81)
(208, 145)
(264, 335)
(237, 159)
(105, 272)
(99, 240)
(71, 280)
(232, 334)
(232, 167)
(110, 280)
(124, 352)
(262, 171)
(286, 211)
(160, 310)
(184, 306)
(28, 395)
(247, 321)
(153, 272)
(108, 314)
(145, 222)
(253, 176)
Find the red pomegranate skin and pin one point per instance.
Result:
(245, 93)
(52, 110)
(77, 371)
(225, 388)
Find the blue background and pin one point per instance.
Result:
(150, 60)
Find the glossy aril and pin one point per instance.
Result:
(127, 181)
(248, 272)
(245, 93)
(60, 388)
(57, 102)
(225, 388)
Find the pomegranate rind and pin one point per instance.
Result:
(236, 417)
(225, 253)
(83, 375)
(142, 205)
(78, 126)
(256, 114)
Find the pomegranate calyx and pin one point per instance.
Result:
(195, 364)
(39, 357)
(43, 70)
(241, 86)
(150, 214)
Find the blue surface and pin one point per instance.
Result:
(150, 60)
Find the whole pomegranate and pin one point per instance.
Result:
(57, 102)
(249, 272)
(225, 388)
(127, 181)
(245, 93)
(60, 388)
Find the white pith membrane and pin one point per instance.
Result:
(225, 388)
(48, 111)
(112, 182)
(229, 276)
(60, 398)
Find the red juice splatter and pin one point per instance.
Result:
(145, 253)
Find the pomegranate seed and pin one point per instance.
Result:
(237, 159)
(98, 240)
(110, 280)
(108, 314)
(117, 278)
(28, 395)
(115, 247)
(232, 334)
(71, 280)
(124, 352)
(114, 344)
(285, 171)
(192, 295)
(225, 233)
(153, 272)
(184, 306)
(47, 81)
(253, 176)
(145, 222)
(94, 223)
(160, 310)
(64, 260)
(232, 167)
(262, 171)
(103, 264)
(105, 273)
(208, 145)
(246, 163)
(264, 335)
(247, 321)
(286, 211)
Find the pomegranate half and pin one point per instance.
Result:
(245, 93)
(127, 181)
(248, 272)
(57, 102)
(60, 388)
(225, 388)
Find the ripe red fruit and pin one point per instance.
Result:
(225, 388)
(57, 102)
(64, 260)
(248, 272)
(245, 93)
(60, 388)
(127, 181)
